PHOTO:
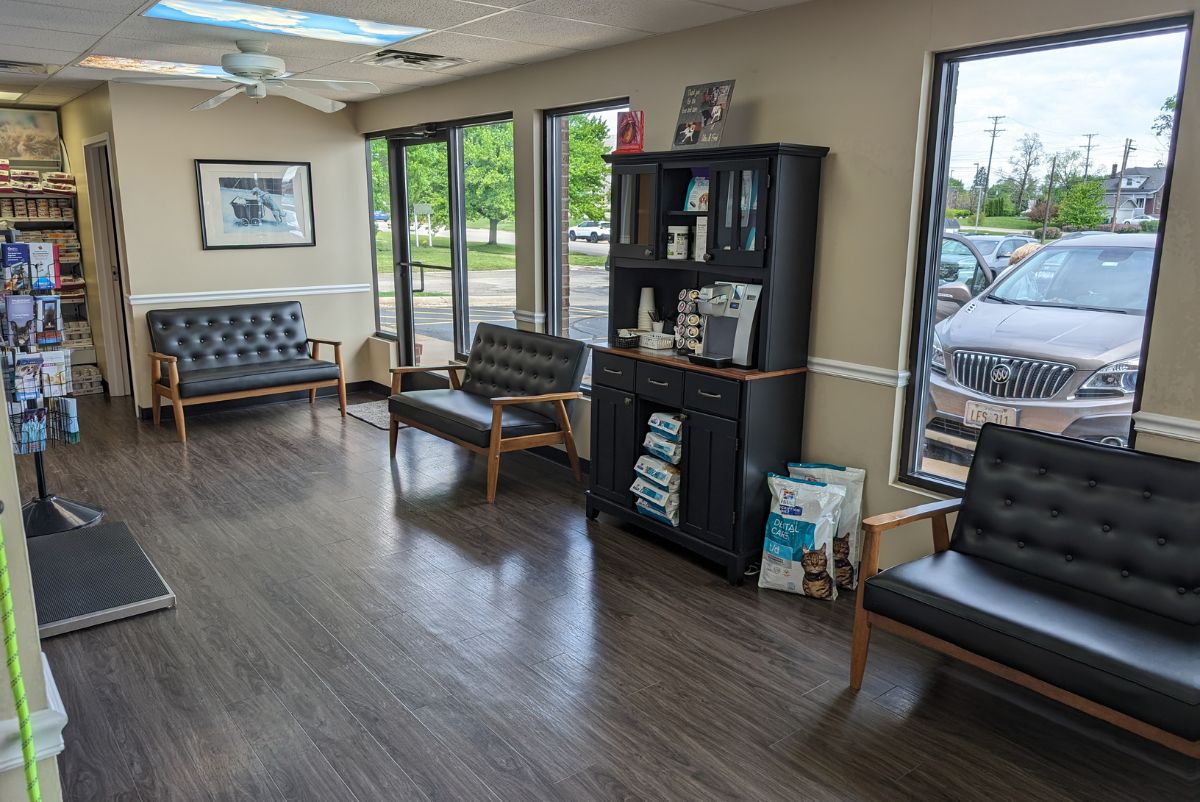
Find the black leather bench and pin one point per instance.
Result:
(515, 395)
(219, 353)
(1074, 570)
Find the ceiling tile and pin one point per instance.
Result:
(52, 98)
(759, 5)
(421, 13)
(57, 18)
(461, 45)
(214, 36)
(36, 55)
(39, 37)
(161, 51)
(659, 16)
(540, 29)
(113, 6)
(379, 75)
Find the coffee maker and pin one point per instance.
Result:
(730, 320)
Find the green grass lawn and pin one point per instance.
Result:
(1015, 223)
(480, 255)
(505, 225)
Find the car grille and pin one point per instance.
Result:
(954, 428)
(1027, 378)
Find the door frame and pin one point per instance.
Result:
(108, 255)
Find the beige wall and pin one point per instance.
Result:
(157, 139)
(853, 76)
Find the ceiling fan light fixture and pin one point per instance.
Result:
(286, 21)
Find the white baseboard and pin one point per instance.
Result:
(857, 372)
(1167, 426)
(47, 726)
(245, 295)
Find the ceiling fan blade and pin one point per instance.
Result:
(172, 79)
(303, 96)
(217, 100)
(343, 86)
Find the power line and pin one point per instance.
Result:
(1087, 159)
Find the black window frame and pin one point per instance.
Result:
(936, 172)
(551, 198)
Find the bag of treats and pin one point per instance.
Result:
(667, 424)
(663, 474)
(798, 547)
(664, 515)
(654, 493)
(847, 543)
(663, 448)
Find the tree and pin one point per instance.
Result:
(1165, 121)
(1024, 161)
(425, 169)
(488, 174)
(1082, 206)
(381, 190)
(588, 175)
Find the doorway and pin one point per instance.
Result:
(110, 281)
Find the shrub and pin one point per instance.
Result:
(959, 214)
(1038, 211)
(1128, 228)
(1053, 232)
(999, 206)
(1070, 229)
(1149, 226)
(1082, 205)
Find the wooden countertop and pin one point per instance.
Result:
(674, 360)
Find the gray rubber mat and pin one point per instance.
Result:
(90, 576)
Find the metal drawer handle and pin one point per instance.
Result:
(614, 372)
(657, 383)
(707, 394)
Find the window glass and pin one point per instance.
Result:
(381, 236)
(491, 242)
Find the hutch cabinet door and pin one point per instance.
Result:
(710, 469)
(614, 443)
(635, 211)
(737, 225)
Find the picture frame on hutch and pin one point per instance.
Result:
(255, 204)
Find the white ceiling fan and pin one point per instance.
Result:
(257, 75)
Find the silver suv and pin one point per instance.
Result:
(1053, 345)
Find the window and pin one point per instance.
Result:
(577, 220)
(1054, 340)
(446, 260)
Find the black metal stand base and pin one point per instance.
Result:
(52, 514)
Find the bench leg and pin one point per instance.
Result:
(564, 422)
(177, 407)
(341, 393)
(312, 396)
(862, 642)
(493, 454)
(155, 406)
(393, 434)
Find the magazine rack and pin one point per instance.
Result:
(45, 419)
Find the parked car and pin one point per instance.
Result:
(1138, 219)
(963, 273)
(1053, 345)
(381, 216)
(590, 230)
(997, 248)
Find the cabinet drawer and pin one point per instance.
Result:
(710, 394)
(659, 383)
(613, 371)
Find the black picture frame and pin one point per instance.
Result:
(262, 222)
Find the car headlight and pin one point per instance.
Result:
(1115, 380)
(938, 360)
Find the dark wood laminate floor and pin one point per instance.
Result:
(352, 630)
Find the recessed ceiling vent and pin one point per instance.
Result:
(406, 59)
(25, 68)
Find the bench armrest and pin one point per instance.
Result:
(157, 357)
(323, 342)
(399, 373)
(876, 525)
(509, 400)
(156, 363)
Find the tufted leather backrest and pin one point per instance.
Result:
(1121, 524)
(512, 362)
(223, 336)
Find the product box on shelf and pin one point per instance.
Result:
(20, 313)
(14, 266)
(44, 270)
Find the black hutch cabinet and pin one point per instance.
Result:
(740, 423)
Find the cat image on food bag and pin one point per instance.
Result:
(843, 569)
(798, 544)
(847, 545)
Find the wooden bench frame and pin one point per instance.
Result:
(497, 444)
(864, 621)
(170, 391)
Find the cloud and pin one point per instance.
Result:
(227, 13)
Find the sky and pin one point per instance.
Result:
(249, 16)
(1112, 89)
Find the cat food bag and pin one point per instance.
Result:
(663, 474)
(664, 515)
(847, 544)
(663, 448)
(655, 494)
(798, 547)
(667, 424)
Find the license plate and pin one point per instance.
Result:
(977, 414)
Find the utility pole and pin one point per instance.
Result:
(987, 180)
(978, 194)
(1049, 195)
(1087, 159)
(1120, 181)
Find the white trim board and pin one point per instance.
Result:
(525, 316)
(857, 372)
(245, 295)
(47, 726)
(1167, 426)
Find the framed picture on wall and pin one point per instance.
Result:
(249, 204)
(29, 138)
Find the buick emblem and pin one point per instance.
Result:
(1001, 374)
